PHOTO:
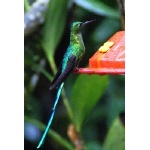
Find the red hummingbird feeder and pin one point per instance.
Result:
(109, 59)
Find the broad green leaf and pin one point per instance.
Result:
(116, 103)
(86, 92)
(115, 139)
(54, 26)
(98, 7)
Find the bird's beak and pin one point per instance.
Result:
(87, 22)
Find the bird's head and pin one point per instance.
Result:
(76, 27)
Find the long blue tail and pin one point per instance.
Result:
(52, 115)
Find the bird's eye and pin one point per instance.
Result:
(80, 24)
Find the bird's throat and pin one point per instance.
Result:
(76, 39)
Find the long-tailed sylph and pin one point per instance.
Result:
(71, 59)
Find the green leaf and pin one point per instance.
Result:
(98, 7)
(54, 26)
(116, 103)
(26, 5)
(115, 139)
(86, 93)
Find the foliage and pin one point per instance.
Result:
(92, 103)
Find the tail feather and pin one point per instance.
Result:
(51, 116)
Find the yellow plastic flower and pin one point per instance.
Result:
(106, 46)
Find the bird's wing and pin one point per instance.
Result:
(57, 75)
(61, 76)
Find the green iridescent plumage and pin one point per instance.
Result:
(72, 57)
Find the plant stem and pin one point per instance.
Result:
(67, 105)
(52, 64)
(75, 137)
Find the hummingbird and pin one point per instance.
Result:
(71, 59)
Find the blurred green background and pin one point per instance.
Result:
(94, 104)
